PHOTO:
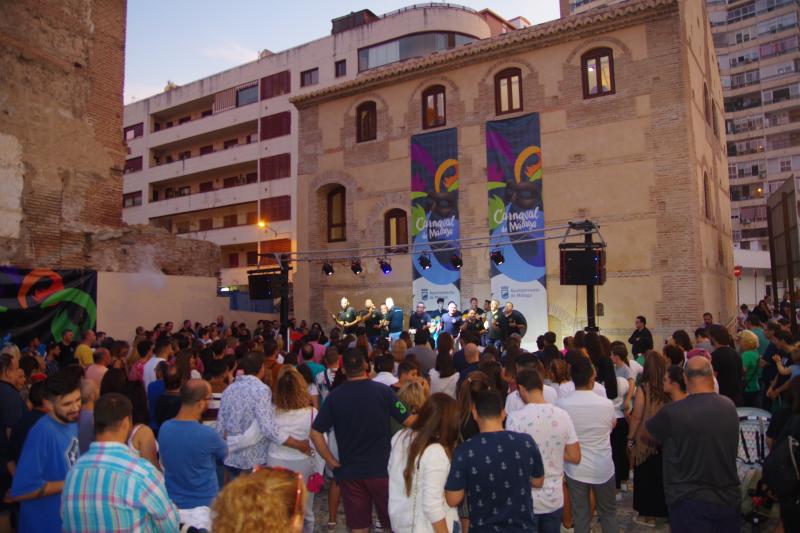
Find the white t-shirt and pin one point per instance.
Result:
(552, 429)
(296, 424)
(149, 371)
(594, 418)
(568, 387)
(446, 385)
(622, 392)
(636, 368)
(386, 378)
(514, 401)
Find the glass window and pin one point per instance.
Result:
(366, 122)
(508, 90)
(598, 72)
(433, 107)
(409, 46)
(340, 68)
(247, 95)
(336, 214)
(309, 77)
(395, 229)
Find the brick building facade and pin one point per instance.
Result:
(61, 147)
(646, 161)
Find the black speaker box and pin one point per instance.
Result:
(583, 267)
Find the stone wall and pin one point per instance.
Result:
(628, 161)
(61, 149)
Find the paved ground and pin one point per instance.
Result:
(625, 514)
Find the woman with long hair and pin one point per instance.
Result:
(559, 375)
(444, 377)
(648, 479)
(475, 383)
(269, 499)
(601, 359)
(418, 467)
(186, 363)
(681, 339)
(293, 417)
(445, 344)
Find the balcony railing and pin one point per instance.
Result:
(169, 160)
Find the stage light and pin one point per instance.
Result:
(424, 261)
(386, 267)
(262, 224)
(497, 257)
(355, 266)
(327, 268)
(456, 261)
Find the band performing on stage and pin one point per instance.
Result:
(491, 323)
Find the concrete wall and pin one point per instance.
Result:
(126, 300)
(628, 161)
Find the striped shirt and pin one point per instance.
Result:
(109, 489)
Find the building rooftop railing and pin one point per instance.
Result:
(427, 6)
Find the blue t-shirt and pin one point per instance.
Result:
(189, 451)
(395, 319)
(49, 452)
(359, 412)
(316, 368)
(154, 391)
(496, 470)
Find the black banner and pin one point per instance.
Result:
(44, 303)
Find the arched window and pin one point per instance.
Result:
(508, 91)
(336, 214)
(366, 122)
(598, 72)
(433, 110)
(395, 230)
(707, 196)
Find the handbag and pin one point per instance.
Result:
(315, 481)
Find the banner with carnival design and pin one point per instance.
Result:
(516, 215)
(434, 216)
(44, 303)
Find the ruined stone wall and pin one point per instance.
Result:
(61, 149)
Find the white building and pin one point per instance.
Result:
(216, 159)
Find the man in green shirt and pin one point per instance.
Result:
(753, 323)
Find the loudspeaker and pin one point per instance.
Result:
(260, 286)
(583, 267)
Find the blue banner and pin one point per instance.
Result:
(434, 215)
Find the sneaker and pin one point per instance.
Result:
(378, 528)
(567, 529)
(644, 521)
(330, 527)
(618, 496)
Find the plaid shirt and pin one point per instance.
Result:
(110, 489)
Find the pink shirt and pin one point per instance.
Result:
(96, 373)
(319, 351)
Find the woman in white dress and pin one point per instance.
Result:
(418, 468)
(293, 417)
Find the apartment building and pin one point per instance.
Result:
(759, 60)
(216, 159)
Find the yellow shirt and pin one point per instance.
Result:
(84, 354)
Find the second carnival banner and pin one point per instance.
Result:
(434, 215)
(516, 214)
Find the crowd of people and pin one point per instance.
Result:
(443, 426)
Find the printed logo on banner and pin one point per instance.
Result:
(516, 217)
(434, 213)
